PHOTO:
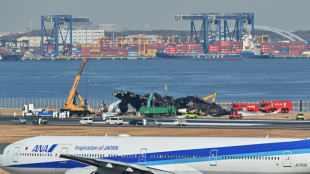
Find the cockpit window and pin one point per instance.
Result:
(2, 151)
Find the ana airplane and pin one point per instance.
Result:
(157, 155)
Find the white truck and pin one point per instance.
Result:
(29, 110)
(180, 121)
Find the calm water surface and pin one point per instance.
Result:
(233, 80)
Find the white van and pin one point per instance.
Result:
(181, 121)
(114, 120)
(86, 120)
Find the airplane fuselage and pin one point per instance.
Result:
(169, 154)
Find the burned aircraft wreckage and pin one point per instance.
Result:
(190, 102)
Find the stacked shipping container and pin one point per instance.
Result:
(236, 47)
(265, 47)
(184, 49)
(214, 48)
(225, 47)
(291, 48)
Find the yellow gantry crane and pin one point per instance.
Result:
(71, 105)
(213, 96)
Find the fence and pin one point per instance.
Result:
(95, 103)
(43, 102)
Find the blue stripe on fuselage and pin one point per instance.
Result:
(52, 148)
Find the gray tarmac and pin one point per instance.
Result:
(214, 123)
(193, 123)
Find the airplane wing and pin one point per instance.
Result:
(112, 164)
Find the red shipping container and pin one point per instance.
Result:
(213, 49)
(237, 42)
(191, 45)
(213, 52)
(180, 52)
(224, 43)
(224, 52)
(225, 47)
(263, 45)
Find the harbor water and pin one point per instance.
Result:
(232, 80)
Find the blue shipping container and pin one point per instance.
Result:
(132, 54)
(283, 50)
(132, 48)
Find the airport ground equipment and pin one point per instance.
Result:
(29, 110)
(246, 107)
(206, 35)
(71, 105)
(156, 111)
(235, 115)
(300, 115)
(50, 41)
(114, 121)
(190, 115)
(213, 96)
(180, 121)
(272, 106)
(86, 120)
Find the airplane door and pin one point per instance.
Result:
(287, 159)
(213, 157)
(63, 150)
(142, 156)
(15, 154)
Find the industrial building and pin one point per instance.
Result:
(82, 36)
(32, 41)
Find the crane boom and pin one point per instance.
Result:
(209, 96)
(82, 108)
(150, 99)
(76, 82)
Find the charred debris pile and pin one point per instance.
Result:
(190, 102)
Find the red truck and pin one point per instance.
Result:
(248, 107)
(272, 106)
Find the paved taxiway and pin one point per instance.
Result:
(196, 123)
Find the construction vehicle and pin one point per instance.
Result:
(213, 96)
(275, 106)
(71, 105)
(156, 111)
(300, 115)
(246, 107)
(29, 110)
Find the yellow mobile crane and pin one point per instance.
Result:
(209, 96)
(71, 105)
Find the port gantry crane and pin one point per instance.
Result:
(240, 19)
(50, 41)
(71, 105)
